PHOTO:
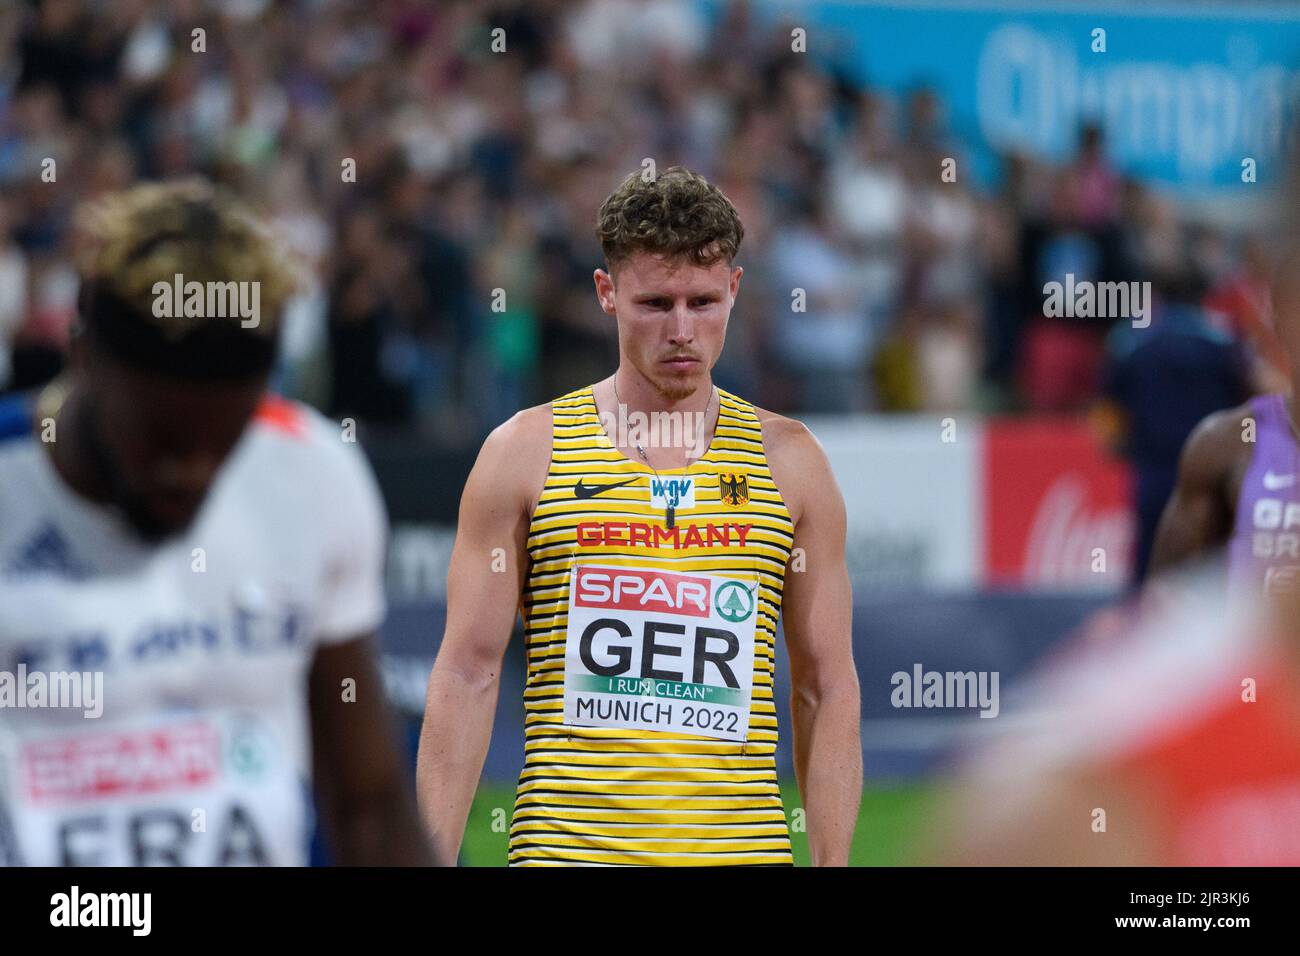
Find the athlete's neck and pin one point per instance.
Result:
(633, 390)
(632, 425)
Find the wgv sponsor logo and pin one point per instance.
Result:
(672, 492)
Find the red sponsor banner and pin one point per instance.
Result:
(632, 589)
(123, 764)
(1058, 508)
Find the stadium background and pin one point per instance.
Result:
(979, 443)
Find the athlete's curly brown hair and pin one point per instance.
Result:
(679, 215)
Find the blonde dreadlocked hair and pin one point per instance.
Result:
(129, 241)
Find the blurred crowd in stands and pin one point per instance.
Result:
(478, 171)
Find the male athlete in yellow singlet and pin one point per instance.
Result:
(650, 575)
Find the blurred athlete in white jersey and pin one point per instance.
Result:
(214, 553)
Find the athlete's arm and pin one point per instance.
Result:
(362, 786)
(482, 601)
(362, 780)
(817, 611)
(1198, 516)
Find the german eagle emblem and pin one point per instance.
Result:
(734, 489)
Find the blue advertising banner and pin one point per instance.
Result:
(1185, 94)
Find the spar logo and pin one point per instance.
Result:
(630, 589)
(735, 602)
(123, 764)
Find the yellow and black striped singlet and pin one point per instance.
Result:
(610, 795)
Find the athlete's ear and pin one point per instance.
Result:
(736, 273)
(604, 290)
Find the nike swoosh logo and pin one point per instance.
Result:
(590, 491)
(1273, 482)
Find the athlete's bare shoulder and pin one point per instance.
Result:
(782, 434)
(516, 455)
(797, 461)
(1198, 515)
(529, 425)
(1218, 446)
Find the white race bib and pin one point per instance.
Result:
(187, 790)
(648, 649)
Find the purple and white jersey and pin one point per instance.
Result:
(1264, 550)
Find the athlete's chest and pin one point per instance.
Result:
(713, 508)
(155, 706)
(1264, 485)
(1265, 490)
(171, 624)
(666, 586)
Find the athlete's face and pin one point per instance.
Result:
(158, 443)
(672, 318)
